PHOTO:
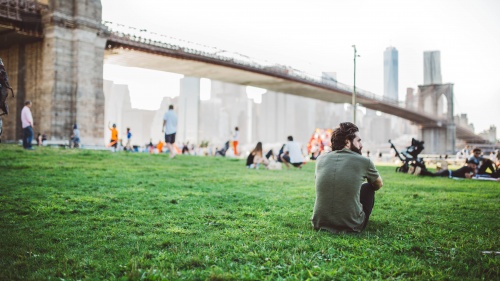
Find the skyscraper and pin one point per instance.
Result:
(432, 67)
(391, 73)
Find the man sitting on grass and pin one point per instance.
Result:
(484, 165)
(292, 154)
(343, 201)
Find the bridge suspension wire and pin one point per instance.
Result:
(160, 40)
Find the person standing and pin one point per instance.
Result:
(170, 129)
(27, 124)
(75, 137)
(236, 138)
(39, 139)
(292, 154)
(128, 145)
(344, 201)
(114, 137)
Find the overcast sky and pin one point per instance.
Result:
(317, 35)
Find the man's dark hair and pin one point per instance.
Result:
(345, 131)
(290, 138)
(171, 106)
(477, 149)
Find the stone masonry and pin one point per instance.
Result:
(61, 74)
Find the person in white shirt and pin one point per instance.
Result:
(170, 129)
(292, 154)
(236, 138)
(27, 124)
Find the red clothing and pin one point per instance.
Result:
(235, 147)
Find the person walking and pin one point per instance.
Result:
(113, 142)
(344, 201)
(170, 129)
(128, 145)
(27, 124)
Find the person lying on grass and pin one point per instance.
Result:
(467, 172)
(344, 201)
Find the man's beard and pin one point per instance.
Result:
(355, 149)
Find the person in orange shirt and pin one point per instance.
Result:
(114, 137)
(159, 146)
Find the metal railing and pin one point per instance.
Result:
(12, 9)
(164, 41)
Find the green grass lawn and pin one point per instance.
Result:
(96, 215)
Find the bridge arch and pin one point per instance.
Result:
(437, 100)
(442, 106)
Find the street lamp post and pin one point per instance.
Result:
(354, 90)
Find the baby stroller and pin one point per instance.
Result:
(409, 157)
(222, 151)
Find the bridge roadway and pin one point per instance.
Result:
(145, 51)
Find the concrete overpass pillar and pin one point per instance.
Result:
(439, 138)
(72, 71)
(188, 111)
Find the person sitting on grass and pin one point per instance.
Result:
(344, 201)
(484, 164)
(292, 154)
(255, 158)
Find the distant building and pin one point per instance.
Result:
(391, 73)
(188, 110)
(432, 68)
(411, 100)
(490, 134)
(463, 120)
(119, 111)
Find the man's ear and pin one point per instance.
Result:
(347, 143)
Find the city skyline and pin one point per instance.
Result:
(212, 120)
(317, 37)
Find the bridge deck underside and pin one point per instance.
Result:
(277, 83)
(218, 72)
(233, 75)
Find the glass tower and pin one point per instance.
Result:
(391, 73)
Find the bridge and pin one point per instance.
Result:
(64, 47)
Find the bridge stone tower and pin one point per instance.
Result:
(437, 100)
(59, 70)
(72, 70)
